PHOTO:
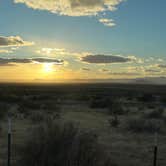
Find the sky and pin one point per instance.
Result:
(76, 40)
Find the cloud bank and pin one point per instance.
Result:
(13, 41)
(105, 59)
(72, 7)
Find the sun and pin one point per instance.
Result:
(47, 67)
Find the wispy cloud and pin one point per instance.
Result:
(107, 22)
(72, 7)
(124, 73)
(56, 52)
(11, 41)
(12, 61)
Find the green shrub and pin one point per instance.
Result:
(53, 144)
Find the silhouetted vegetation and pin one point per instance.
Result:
(62, 145)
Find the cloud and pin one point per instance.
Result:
(56, 52)
(52, 51)
(107, 22)
(161, 65)
(5, 51)
(12, 61)
(152, 70)
(125, 73)
(13, 41)
(86, 69)
(105, 59)
(72, 7)
(104, 70)
(47, 60)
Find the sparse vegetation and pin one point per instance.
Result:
(144, 125)
(123, 117)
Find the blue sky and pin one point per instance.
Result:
(139, 30)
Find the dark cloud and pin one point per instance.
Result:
(124, 73)
(104, 70)
(48, 60)
(10, 61)
(13, 41)
(152, 70)
(86, 69)
(162, 65)
(103, 59)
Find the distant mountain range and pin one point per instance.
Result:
(145, 80)
(150, 80)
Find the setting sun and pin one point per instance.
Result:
(47, 67)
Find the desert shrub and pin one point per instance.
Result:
(53, 144)
(114, 122)
(116, 108)
(9, 98)
(147, 97)
(30, 104)
(1, 130)
(27, 106)
(57, 115)
(23, 110)
(163, 99)
(51, 107)
(153, 126)
(99, 103)
(135, 124)
(155, 114)
(37, 117)
(3, 110)
(151, 106)
(143, 125)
